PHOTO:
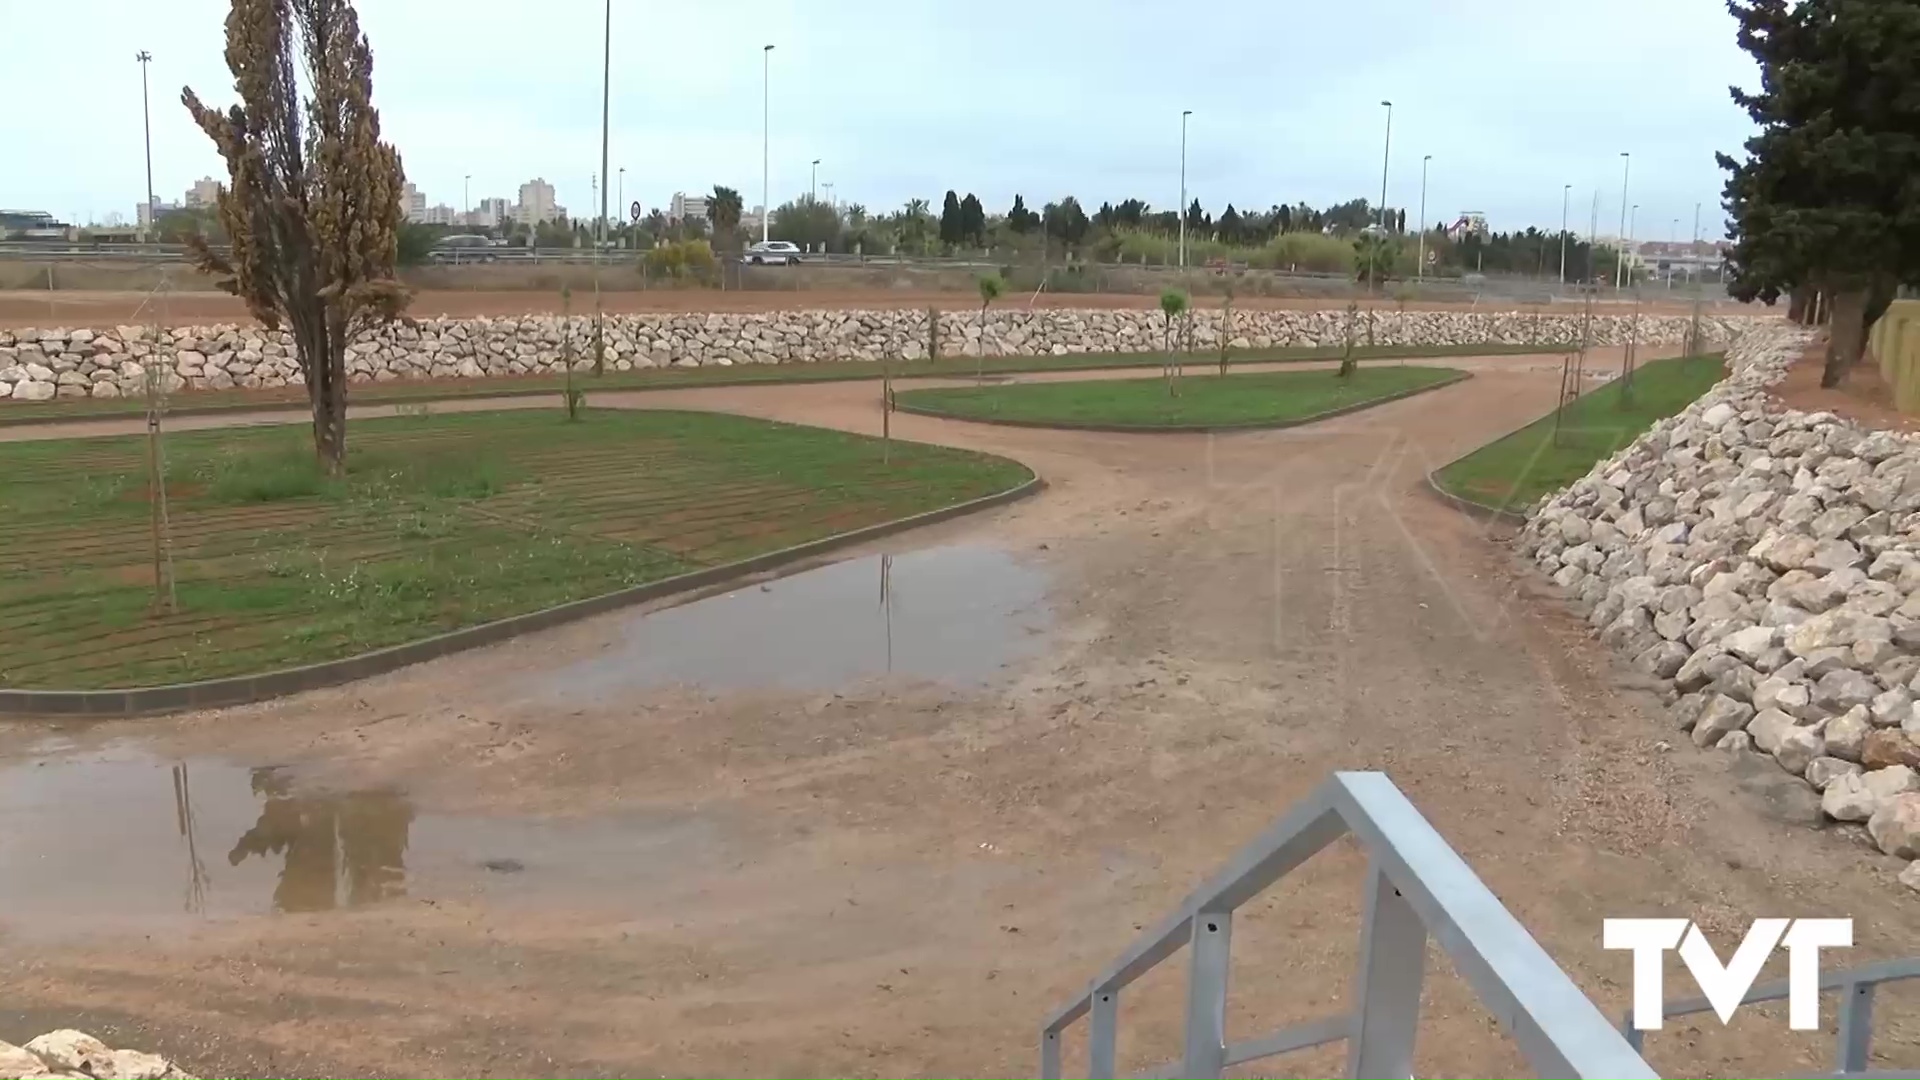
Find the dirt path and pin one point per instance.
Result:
(891, 876)
(23, 308)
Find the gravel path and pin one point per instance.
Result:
(898, 877)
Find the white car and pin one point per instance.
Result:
(777, 252)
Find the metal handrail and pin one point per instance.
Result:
(1856, 1011)
(1416, 885)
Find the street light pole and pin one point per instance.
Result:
(1633, 224)
(1386, 155)
(1620, 260)
(146, 129)
(829, 188)
(1566, 192)
(1420, 269)
(1183, 186)
(466, 194)
(621, 199)
(814, 183)
(766, 120)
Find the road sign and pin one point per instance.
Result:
(635, 211)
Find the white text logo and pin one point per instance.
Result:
(1724, 985)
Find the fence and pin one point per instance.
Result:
(1895, 341)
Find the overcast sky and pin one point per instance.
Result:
(904, 98)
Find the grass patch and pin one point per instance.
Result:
(441, 522)
(1514, 472)
(404, 393)
(1204, 400)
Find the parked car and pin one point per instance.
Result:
(777, 252)
(462, 249)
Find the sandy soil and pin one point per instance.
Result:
(1863, 396)
(98, 309)
(904, 878)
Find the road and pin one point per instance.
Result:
(798, 864)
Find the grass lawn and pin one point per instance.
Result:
(1513, 472)
(442, 522)
(1205, 400)
(745, 374)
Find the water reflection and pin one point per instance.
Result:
(959, 615)
(120, 841)
(336, 850)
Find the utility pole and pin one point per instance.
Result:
(146, 128)
(766, 120)
(1566, 192)
(466, 195)
(1183, 186)
(1620, 261)
(1386, 155)
(813, 183)
(1420, 270)
(600, 236)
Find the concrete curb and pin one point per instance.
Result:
(1186, 429)
(245, 689)
(1467, 506)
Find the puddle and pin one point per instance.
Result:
(952, 614)
(124, 841)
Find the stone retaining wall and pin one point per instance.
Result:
(39, 364)
(1764, 563)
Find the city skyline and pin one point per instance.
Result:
(1506, 125)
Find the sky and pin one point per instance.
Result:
(908, 98)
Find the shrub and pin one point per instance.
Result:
(683, 260)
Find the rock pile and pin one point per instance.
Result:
(36, 365)
(1765, 563)
(70, 1053)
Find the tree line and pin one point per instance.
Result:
(1824, 204)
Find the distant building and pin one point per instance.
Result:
(203, 193)
(144, 214)
(35, 224)
(413, 203)
(750, 220)
(685, 206)
(1471, 222)
(491, 213)
(536, 204)
(439, 215)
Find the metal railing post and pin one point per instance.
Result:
(1103, 1028)
(1212, 941)
(1393, 962)
(1049, 1055)
(1856, 1028)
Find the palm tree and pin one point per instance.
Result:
(1172, 303)
(990, 288)
(724, 207)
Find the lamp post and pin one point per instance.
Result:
(1566, 192)
(766, 118)
(1633, 224)
(1420, 269)
(466, 194)
(1386, 155)
(1620, 260)
(146, 130)
(1183, 186)
(829, 188)
(814, 183)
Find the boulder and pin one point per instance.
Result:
(1721, 715)
(1822, 771)
(1847, 734)
(1895, 825)
(1885, 747)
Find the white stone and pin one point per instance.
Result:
(1895, 825)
